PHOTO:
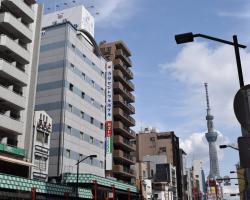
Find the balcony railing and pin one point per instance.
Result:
(12, 150)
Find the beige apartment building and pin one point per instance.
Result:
(119, 54)
(150, 142)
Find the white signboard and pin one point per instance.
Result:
(109, 115)
(79, 16)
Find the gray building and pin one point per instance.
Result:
(20, 26)
(71, 82)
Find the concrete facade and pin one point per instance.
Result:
(20, 27)
(71, 89)
(119, 54)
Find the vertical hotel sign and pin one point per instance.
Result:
(109, 115)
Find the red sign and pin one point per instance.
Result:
(109, 129)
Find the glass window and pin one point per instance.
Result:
(40, 162)
(69, 130)
(71, 87)
(83, 76)
(82, 114)
(81, 135)
(70, 107)
(91, 139)
(102, 73)
(91, 120)
(101, 164)
(101, 126)
(83, 95)
(67, 153)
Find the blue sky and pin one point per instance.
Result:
(169, 78)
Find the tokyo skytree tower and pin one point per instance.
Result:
(211, 136)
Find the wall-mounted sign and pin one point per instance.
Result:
(109, 116)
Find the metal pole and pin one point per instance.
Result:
(238, 61)
(77, 176)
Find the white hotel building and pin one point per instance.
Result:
(71, 89)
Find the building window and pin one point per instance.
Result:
(71, 87)
(83, 55)
(93, 83)
(39, 136)
(81, 135)
(92, 101)
(80, 156)
(82, 114)
(144, 174)
(68, 153)
(70, 107)
(91, 139)
(163, 149)
(152, 173)
(102, 73)
(73, 46)
(101, 164)
(69, 130)
(83, 76)
(101, 144)
(101, 107)
(101, 125)
(152, 139)
(91, 120)
(72, 66)
(102, 90)
(83, 95)
(91, 161)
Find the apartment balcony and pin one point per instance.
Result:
(125, 118)
(121, 170)
(10, 98)
(119, 88)
(11, 125)
(20, 9)
(124, 157)
(8, 149)
(120, 65)
(121, 129)
(12, 49)
(119, 101)
(123, 143)
(14, 27)
(12, 73)
(118, 75)
(119, 54)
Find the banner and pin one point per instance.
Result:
(109, 116)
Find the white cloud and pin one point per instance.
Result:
(115, 12)
(196, 146)
(240, 15)
(197, 63)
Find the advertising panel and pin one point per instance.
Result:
(109, 115)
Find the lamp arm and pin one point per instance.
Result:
(218, 40)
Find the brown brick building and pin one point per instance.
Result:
(119, 53)
(151, 142)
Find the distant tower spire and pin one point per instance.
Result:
(211, 136)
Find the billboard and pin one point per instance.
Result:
(109, 116)
(79, 16)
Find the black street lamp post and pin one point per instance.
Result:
(77, 172)
(223, 146)
(189, 37)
